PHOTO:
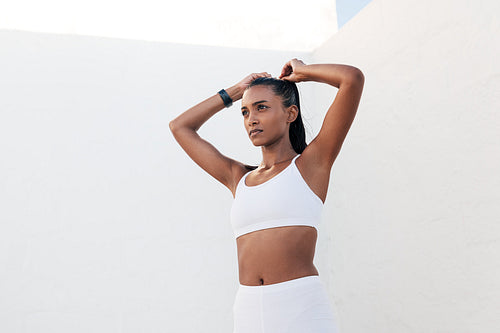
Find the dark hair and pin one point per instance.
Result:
(289, 93)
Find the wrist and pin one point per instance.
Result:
(302, 73)
(235, 93)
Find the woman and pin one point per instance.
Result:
(277, 205)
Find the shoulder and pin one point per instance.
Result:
(312, 161)
(315, 171)
(239, 170)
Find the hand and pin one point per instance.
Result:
(243, 84)
(290, 71)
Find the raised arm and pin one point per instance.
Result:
(349, 80)
(185, 126)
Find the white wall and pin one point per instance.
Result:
(413, 207)
(106, 225)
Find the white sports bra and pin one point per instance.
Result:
(283, 200)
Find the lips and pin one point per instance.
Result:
(254, 131)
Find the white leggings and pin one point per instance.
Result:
(293, 306)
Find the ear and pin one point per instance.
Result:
(293, 113)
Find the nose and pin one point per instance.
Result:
(252, 120)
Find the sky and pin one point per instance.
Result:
(263, 24)
(347, 9)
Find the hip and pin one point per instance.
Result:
(297, 305)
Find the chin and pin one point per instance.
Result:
(256, 144)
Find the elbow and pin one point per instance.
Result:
(357, 76)
(172, 125)
(176, 126)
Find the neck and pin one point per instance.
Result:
(276, 157)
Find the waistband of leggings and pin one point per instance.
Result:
(298, 282)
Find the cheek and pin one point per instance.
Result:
(278, 121)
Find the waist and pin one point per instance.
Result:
(301, 282)
(276, 254)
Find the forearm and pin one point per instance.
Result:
(197, 115)
(332, 74)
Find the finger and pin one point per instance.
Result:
(285, 71)
(282, 76)
(291, 78)
(285, 68)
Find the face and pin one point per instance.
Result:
(263, 110)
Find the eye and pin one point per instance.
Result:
(261, 106)
(243, 112)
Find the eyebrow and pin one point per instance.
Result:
(263, 101)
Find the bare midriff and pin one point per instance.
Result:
(276, 255)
